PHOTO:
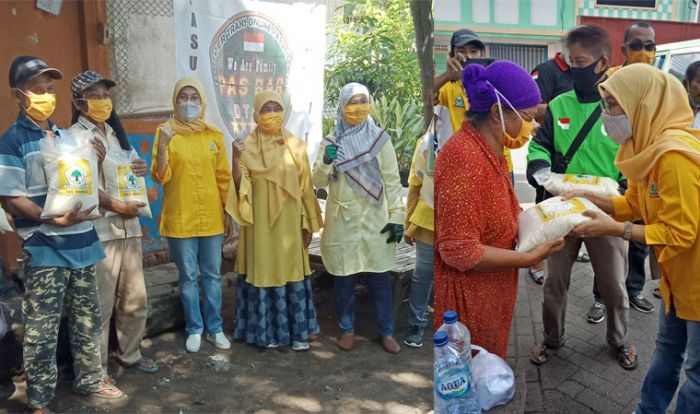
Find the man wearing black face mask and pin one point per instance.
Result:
(572, 140)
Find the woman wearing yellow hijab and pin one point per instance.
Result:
(647, 113)
(274, 203)
(190, 162)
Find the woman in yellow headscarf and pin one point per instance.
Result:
(190, 162)
(274, 202)
(647, 113)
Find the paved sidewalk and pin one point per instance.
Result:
(584, 376)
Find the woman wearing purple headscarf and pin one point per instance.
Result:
(476, 209)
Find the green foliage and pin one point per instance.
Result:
(374, 45)
(404, 123)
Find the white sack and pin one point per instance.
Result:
(558, 184)
(121, 183)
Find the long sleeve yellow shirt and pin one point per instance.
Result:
(668, 202)
(195, 184)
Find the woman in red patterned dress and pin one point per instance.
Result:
(476, 208)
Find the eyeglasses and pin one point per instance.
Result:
(638, 45)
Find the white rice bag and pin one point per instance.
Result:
(4, 223)
(551, 219)
(120, 181)
(70, 164)
(558, 184)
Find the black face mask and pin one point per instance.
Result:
(586, 80)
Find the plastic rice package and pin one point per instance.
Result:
(558, 184)
(70, 165)
(120, 181)
(551, 219)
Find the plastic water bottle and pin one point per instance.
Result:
(458, 336)
(454, 390)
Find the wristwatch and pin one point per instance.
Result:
(627, 234)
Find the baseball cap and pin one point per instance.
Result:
(88, 79)
(24, 68)
(463, 36)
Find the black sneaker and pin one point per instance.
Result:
(597, 313)
(657, 293)
(641, 303)
(415, 337)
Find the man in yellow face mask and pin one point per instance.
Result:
(639, 45)
(61, 251)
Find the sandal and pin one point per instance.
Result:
(541, 353)
(108, 391)
(146, 365)
(627, 357)
(537, 276)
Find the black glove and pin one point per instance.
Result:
(330, 153)
(395, 232)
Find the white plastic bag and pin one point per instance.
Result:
(4, 223)
(558, 184)
(70, 164)
(120, 181)
(493, 378)
(551, 219)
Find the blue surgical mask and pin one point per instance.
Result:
(189, 111)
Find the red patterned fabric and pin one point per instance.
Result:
(475, 206)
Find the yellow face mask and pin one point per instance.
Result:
(271, 122)
(523, 136)
(356, 114)
(99, 109)
(41, 107)
(641, 56)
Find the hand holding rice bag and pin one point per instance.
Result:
(70, 165)
(121, 183)
(558, 184)
(551, 219)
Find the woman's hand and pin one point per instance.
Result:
(543, 251)
(599, 225)
(409, 240)
(164, 137)
(238, 150)
(306, 237)
(228, 228)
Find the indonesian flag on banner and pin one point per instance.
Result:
(564, 123)
(535, 75)
(253, 42)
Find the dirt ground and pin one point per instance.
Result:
(247, 379)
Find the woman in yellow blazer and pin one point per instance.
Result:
(274, 202)
(364, 212)
(190, 162)
(647, 113)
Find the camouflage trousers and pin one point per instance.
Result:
(48, 289)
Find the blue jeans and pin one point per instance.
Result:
(192, 256)
(378, 284)
(676, 341)
(421, 285)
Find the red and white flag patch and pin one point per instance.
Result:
(564, 123)
(535, 75)
(253, 42)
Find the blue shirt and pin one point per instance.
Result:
(22, 175)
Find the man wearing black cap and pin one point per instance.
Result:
(448, 89)
(61, 251)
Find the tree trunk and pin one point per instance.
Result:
(422, 13)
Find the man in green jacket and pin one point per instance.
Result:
(590, 50)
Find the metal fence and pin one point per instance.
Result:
(527, 56)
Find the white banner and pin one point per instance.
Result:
(238, 48)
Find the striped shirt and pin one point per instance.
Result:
(22, 175)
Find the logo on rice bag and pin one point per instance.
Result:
(74, 177)
(129, 183)
(581, 179)
(550, 211)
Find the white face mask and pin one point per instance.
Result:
(189, 111)
(618, 127)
